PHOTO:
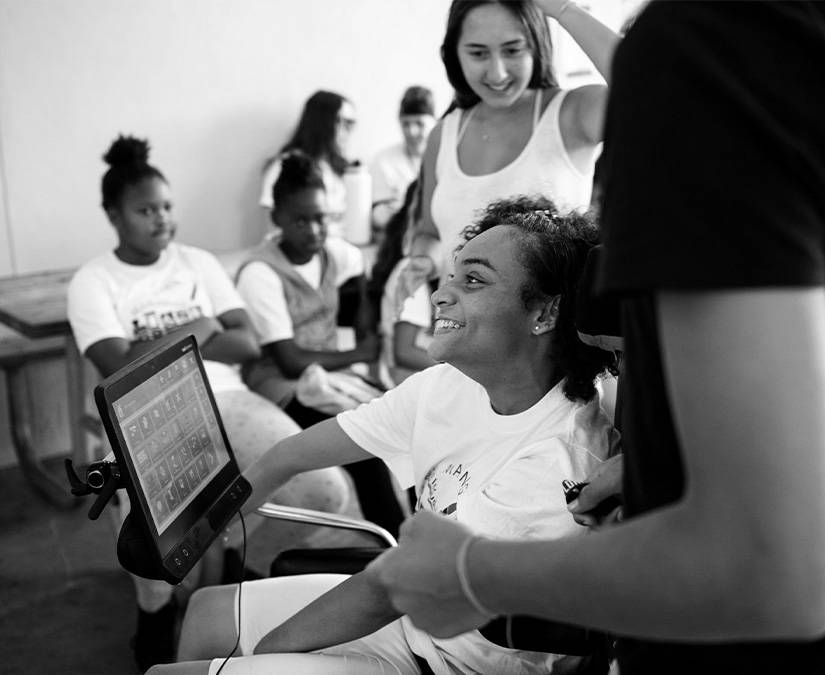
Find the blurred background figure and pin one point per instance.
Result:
(323, 132)
(405, 333)
(395, 167)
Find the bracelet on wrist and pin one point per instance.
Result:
(464, 577)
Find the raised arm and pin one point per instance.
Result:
(585, 105)
(596, 40)
(740, 556)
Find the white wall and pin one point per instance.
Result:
(216, 86)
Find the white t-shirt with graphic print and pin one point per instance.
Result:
(500, 475)
(108, 298)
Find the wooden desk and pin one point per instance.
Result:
(35, 306)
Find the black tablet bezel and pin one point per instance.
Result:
(120, 383)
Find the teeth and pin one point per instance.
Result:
(447, 323)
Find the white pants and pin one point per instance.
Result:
(267, 603)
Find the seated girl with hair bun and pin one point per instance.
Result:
(150, 290)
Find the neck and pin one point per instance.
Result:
(131, 258)
(293, 256)
(514, 392)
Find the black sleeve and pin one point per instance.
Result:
(714, 154)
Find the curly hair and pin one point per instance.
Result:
(553, 249)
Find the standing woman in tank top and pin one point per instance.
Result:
(513, 130)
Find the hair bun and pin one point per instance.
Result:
(296, 163)
(127, 150)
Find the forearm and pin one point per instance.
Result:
(596, 40)
(661, 576)
(322, 445)
(405, 351)
(351, 610)
(297, 361)
(234, 345)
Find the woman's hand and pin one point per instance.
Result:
(604, 482)
(420, 576)
(418, 270)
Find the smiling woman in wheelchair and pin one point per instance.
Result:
(486, 437)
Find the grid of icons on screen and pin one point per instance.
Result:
(173, 437)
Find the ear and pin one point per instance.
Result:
(546, 316)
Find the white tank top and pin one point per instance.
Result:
(542, 168)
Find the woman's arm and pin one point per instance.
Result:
(322, 445)
(424, 236)
(353, 609)
(425, 242)
(596, 40)
(585, 106)
(407, 354)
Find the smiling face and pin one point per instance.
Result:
(143, 220)
(303, 220)
(495, 55)
(481, 322)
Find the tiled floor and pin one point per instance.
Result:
(66, 605)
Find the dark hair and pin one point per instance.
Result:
(417, 101)
(128, 160)
(538, 40)
(316, 130)
(553, 249)
(392, 247)
(299, 172)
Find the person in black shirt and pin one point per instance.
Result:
(714, 230)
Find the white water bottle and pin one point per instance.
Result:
(358, 213)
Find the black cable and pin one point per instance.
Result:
(240, 588)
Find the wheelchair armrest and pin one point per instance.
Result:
(312, 517)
